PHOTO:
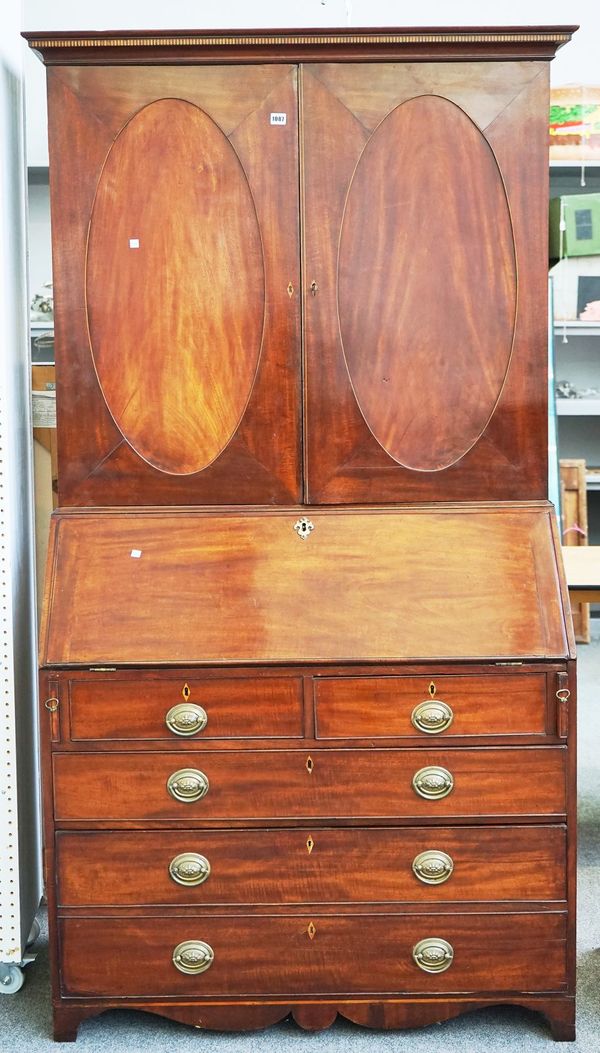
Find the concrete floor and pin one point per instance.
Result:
(25, 1024)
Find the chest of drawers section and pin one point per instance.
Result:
(346, 836)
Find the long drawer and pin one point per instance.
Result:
(418, 706)
(299, 784)
(312, 955)
(421, 865)
(144, 708)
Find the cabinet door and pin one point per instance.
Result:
(176, 260)
(425, 210)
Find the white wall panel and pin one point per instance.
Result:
(20, 880)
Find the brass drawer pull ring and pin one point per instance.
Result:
(193, 956)
(186, 719)
(432, 716)
(433, 782)
(433, 955)
(189, 868)
(187, 785)
(432, 867)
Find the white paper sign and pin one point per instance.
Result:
(43, 409)
(279, 118)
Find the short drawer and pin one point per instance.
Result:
(358, 865)
(424, 706)
(312, 954)
(175, 708)
(296, 784)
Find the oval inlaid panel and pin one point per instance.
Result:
(427, 283)
(175, 286)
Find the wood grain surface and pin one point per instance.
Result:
(175, 159)
(361, 865)
(175, 286)
(437, 245)
(420, 222)
(277, 956)
(356, 707)
(136, 709)
(320, 784)
(244, 587)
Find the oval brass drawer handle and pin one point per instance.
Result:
(189, 868)
(186, 719)
(433, 955)
(193, 956)
(432, 782)
(433, 867)
(432, 716)
(188, 784)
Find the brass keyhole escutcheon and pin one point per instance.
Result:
(310, 844)
(290, 290)
(185, 691)
(314, 288)
(432, 689)
(310, 764)
(311, 930)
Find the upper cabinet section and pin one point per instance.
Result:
(190, 175)
(425, 221)
(176, 257)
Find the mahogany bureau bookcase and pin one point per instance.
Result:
(307, 664)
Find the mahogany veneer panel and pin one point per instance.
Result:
(180, 413)
(360, 865)
(328, 784)
(471, 582)
(265, 955)
(235, 707)
(425, 340)
(357, 707)
(184, 352)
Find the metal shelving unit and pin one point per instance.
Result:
(20, 870)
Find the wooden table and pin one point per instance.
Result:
(582, 566)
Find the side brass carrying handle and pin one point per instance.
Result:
(432, 716)
(433, 782)
(193, 956)
(189, 868)
(188, 784)
(433, 955)
(186, 719)
(433, 867)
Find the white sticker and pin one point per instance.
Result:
(136, 553)
(279, 118)
(134, 243)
